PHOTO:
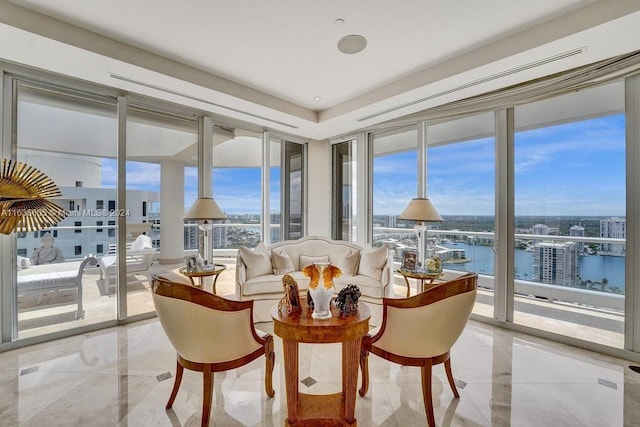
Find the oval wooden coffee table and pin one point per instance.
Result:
(329, 409)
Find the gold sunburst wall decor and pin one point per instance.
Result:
(24, 191)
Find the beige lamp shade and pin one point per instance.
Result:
(420, 209)
(205, 208)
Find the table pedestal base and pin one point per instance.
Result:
(322, 410)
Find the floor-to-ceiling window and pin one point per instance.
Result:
(70, 137)
(461, 186)
(292, 190)
(237, 188)
(344, 190)
(394, 184)
(159, 146)
(570, 214)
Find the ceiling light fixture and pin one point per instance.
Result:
(317, 98)
(352, 43)
(339, 21)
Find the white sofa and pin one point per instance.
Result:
(259, 271)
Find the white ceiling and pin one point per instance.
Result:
(264, 61)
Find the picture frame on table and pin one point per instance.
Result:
(409, 260)
(191, 263)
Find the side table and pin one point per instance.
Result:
(329, 409)
(420, 278)
(214, 271)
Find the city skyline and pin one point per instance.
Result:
(570, 169)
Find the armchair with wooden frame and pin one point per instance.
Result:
(420, 331)
(210, 334)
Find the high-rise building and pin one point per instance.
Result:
(556, 263)
(577, 231)
(540, 229)
(391, 221)
(613, 228)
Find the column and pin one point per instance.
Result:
(171, 212)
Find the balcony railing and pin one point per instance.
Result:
(400, 238)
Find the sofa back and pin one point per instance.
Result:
(314, 246)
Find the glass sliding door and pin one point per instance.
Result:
(159, 147)
(292, 188)
(461, 185)
(395, 183)
(286, 197)
(344, 191)
(570, 214)
(71, 139)
(277, 206)
(237, 188)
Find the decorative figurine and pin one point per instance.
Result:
(291, 299)
(321, 293)
(347, 299)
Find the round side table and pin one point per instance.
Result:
(214, 271)
(420, 279)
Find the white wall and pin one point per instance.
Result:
(319, 189)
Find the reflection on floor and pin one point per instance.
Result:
(123, 377)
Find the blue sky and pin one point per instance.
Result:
(570, 169)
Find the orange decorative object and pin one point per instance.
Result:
(328, 274)
(321, 296)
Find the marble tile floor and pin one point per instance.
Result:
(123, 377)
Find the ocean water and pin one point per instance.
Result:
(592, 267)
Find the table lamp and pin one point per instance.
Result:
(422, 211)
(205, 209)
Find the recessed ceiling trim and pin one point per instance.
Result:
(195, 98)
(477, 82)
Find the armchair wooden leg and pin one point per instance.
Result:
(207, 395)
(447, 368)
(176, 385)
(270, 362)
(426, 392)
(364, 367)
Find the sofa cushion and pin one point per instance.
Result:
(348, 263)
(272, 284)
(372, 263)
(282, 263)
(306, 260)
(368, 287)
(258, 261)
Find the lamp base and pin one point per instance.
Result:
(421, 230)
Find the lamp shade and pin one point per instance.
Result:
(205, 208)
(420, 209)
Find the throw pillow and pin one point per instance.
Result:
(306, 260)
(282, 263)
(258, 261)
(348, 262)
(372, 263)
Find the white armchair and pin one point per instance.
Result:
(210, 334)
(420, 331)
